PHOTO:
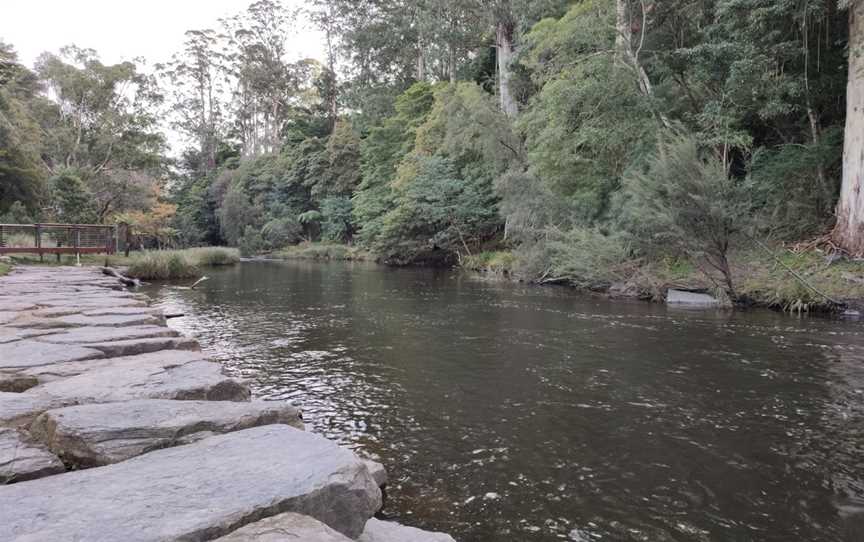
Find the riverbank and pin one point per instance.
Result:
(101, 402)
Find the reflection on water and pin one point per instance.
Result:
(505, 412)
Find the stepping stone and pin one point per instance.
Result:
(94, 335)
(27, 353)
(10, 304)
(102, 434)
(690, 299)
(111, 320)
(388, 531)
(20, 408)
(7, 317)
(197, 492)
(284, 528)
(22, 459)
(57, 371)
(123, 311)
(10, 334)
(150, 378)
(144, 346)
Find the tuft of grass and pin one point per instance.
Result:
(213, 256)
(499, 262)
(323, 251)
(180, 264)
(4, 268)
(163, 265)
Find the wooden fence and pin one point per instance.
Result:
(60, 239)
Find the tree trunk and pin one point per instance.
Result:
(849, 231)
(504, 43)
(624, 30)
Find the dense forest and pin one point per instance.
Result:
(581, 139)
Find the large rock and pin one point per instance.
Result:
(149, 378)
(101, 434)
(111, 320)
(22, 459)
(377, 470)
(97, 335)
(58, 371)
(18, 409)
(387, 531)
(690, 299)
(197, 492)
(284, 528)
(135, 347)
(28, 353)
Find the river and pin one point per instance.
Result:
(506, 412)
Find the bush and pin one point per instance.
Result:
(685, 202)
(588, 258)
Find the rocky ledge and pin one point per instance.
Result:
(114, 427)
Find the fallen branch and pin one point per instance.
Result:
(199, 281)
(130, 282)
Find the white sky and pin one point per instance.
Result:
(124, 29)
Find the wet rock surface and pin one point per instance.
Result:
(285, 527)
(197, 492)
(388, 531)
(22, 459)
(102, 434)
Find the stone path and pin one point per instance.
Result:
(114, 427)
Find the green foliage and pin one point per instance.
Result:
(686, 202)
(212, 256)
(336, 215)
(588, 258)
(71, 199)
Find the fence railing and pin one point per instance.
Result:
(58, 239)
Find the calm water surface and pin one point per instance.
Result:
(507, 412)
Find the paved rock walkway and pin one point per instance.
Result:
(114, 427)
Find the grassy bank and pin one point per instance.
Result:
(323, 252)
(760, 280)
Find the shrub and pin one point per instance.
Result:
(213, 256)
(686, 202)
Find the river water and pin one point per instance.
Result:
(507, 412)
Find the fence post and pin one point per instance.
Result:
(38, 233)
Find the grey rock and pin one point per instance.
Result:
(57, 371)
(123, 311)
(28, 353)
(10, 304)
(690, 299)
(388, 531)
(111, 320)
(20, 408)
(7, 317)
(377, 470)
(102, 434)
(11, 334)
(22, 459)
(144, 346)
(98, 335)
(197, 492)
(284, 528)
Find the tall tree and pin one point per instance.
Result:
(849, 231)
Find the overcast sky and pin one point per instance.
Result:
(123, 29)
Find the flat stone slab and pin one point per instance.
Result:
(11, 334)
(110, 320)
(22, 459)
(29, 353)
(57, 371)
(144, 346)
(21, 408)
(94, 335)
(197, 492)
(102, 434)
(388, 531)
(690, 299)
(150, 378)
(284, 528)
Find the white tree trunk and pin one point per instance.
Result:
(505, 58)
(849, 232)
